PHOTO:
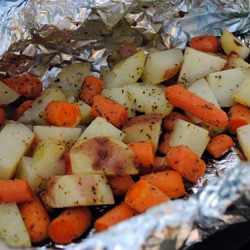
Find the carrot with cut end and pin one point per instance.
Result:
(197, 106)
(112, 111)
(239, 115)
(120, 184)
(36, 219)
(117, 214)
(70, 224)
(142, 196)
(63, 114)
(170, 120)
(91, 86)
(169, 181)
(21, 109)
(205, 43)
(2, 116)
(15, 191)
(186, 162)
(164, 145)
(219, 145)
(26, 85)
(144, 152)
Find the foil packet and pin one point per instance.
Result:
(42, 35)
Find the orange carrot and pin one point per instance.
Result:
(170, 120)
(164, 144)
(68, 169)
(2, 116)
(26, 85)
(120, 184)
(238, 115)
(63, 114)
(21, 109)
(169, 182)
(186, 162)
(219, 145)
(117, 214)
(144, 151)
(195, 105)
(205, 43)
(142, 196)
(17, 191)
(36, 219)
(70, 224)
(91, 86)
(114, 112)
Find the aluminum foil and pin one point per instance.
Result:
(41, 35)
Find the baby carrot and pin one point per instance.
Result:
(2, 116)
(142, 196)
(26, 85)
(205, 43)
(62, 114)
(21, 109)
(219, 145)
(120, 184)
(144, 151)
(91, 86)
(15, 191)
(168, 181)
(170, 120)
(36, 219)
(164, 144)
(70, 224)
(186, 162)
(195, 105)
(117, 214)
(114, 112)
(238, 115)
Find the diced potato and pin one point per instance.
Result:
(162, 65)
(100, 127)
(192, 136)
(103, 155)
(35, 113)
(70, 79)
(149, 99)
(78, 190)
(15, 140)
(127, 71)
(7, 95)
(86, 116)
(235, 61)
(67, 135)
(230, 44)
(241, 94)
(121, 96)
(143, 128)
(12, 228)
(223, 83)
(243, 135)
(197, 64)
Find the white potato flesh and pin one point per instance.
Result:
(100, 127)
(190, 135)
(35, 113)
(230, 44)
(223, 83)
(162, 65)
(234, 61)
(7, 95)
(242, 93)
(15, 140)
(243, 136)
(197, 64)
(127, 71)
(12, 228)
(86, 116)
(121, 96)
(67, 135)
(103, 155)
(149, 99)
(70, 79)
(78, 190)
